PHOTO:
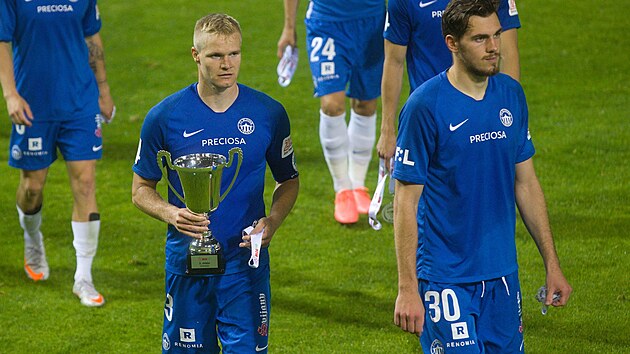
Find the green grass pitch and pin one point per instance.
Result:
(333, 286)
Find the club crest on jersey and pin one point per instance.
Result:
(506, 117)
(246, 126)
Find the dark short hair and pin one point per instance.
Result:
(456, 16)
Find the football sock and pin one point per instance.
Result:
(361, 137)
(85, 244)
(30, 224)
(333, 135)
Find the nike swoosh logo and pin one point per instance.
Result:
(454, 128)
(187, 135)
(425, 4)
(258, 349)
(96, 148)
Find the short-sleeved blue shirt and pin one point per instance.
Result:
(183, 124)
(50, 56)
(465, 153)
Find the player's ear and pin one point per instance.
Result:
(195, 55)
(451, 43)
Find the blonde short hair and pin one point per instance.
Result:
(220, 24)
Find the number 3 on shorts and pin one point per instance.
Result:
(445, 303)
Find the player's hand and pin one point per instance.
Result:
(557, 284)
(19, 110)
(386, 147)
(268, 228)
(409, 312)
(189, 223)
(288, 37)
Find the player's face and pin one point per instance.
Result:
(219, 60)
(479, 48)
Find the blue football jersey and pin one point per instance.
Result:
(418, 26)
(50, 55)
(333, 10)
(183, 124)
(465, 153)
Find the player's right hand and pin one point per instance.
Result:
(19, 110)
(189, 223)
(288, 37)
(409, 312)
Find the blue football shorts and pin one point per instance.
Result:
(346, 55)
(481, 317)
(34, 148)
(230, 310)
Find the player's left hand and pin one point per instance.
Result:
(106, 103)
(557, 284)
(266, 226)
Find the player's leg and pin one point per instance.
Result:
(244, 308)
(364, 89)
(80, 143)
(32, 151)
(501, 321)
(190, 315)
(450, 323)
(361, 138)
(327, 44)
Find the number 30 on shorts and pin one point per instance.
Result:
(442, 304)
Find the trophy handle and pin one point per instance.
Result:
(160, 155)
(231, 153)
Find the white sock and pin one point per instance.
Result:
(334, 139)
(361, 137)
(31, 224)
(85, 244)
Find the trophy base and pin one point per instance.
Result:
(204, 264)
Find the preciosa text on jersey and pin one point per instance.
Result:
(55, 8)
(223, 141)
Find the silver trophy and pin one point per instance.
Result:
(200, 178)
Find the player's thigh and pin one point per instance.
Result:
(367, 59)
(33, 148)
(189, 315)
(328, 49)
(500, 323)
(244, 310)
(81, 138)
(450, 319)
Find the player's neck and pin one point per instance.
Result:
(466, 82)
(219, 100)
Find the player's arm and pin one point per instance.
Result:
(289, 34)
(533, 209)
(18, 109)
(97, 63)
(145, 196)
(510, 62)
(409, 310)
(284, 197)
(391, 86)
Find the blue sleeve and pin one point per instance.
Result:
(508, 15)
(526, 148)
(151, 141)
(280, 154)
(7, 20)
(91, 20)
(416, 142)
(399, 24)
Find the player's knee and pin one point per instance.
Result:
(333, 105)
(364, 108)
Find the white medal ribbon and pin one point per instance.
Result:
(287, 66)
(377, 199)
(256, 244)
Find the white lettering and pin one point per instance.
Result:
(223, 141)
(435, 14)
(487, 136)
(55, 8)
